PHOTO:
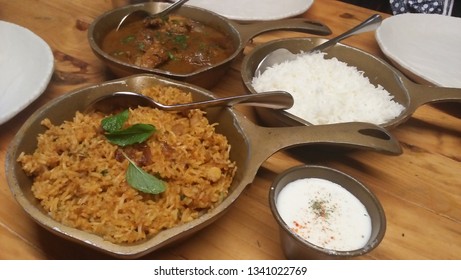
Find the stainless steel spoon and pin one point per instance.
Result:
(126, 99)
(141, 14)
(281, 55)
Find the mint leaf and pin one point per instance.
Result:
(143, 181)
(136, 133)
(115, 122)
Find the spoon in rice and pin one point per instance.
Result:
(281, 55)
(127, 99)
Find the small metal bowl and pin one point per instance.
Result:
(207, 77)
(296, 247)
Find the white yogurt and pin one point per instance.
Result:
(325, 214)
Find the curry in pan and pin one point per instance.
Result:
(176, 44)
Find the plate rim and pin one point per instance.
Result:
(46, 71)
(409, 68)
(303, 7)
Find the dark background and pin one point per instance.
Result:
(384, 6)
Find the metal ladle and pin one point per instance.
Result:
(125, 99)
(141, 14)
(281, 55)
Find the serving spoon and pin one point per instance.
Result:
(281, 55)
(127, 99)
(141, 14)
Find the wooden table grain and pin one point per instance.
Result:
(420, 190)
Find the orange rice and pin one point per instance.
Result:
(80, 181)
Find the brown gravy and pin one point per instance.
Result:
(176, 44)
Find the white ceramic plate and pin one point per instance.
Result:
(254, 10)
(26, 66)
(426, 47)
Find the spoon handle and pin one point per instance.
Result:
(368, 25)
(271, 99)
(171, 8)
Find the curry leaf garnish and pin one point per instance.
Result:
(141, 180)
(115, 122)
(136, 133)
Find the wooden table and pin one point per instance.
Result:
(420, 190)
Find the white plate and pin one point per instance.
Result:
(26, 66)
(254, 10)
(426, 47)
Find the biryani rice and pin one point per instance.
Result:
(79, 178)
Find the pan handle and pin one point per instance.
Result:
(248, 31)
(423, 94)
(360, 135)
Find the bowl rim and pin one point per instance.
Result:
(371, 244)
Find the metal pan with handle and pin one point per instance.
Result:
(240, 34)
(244, 136)
(404, 91)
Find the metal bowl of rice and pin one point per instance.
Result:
(74, 184)
(340, 84)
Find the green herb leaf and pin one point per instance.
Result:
(128, 39)
(136, 133)
(115, 122)
(181, 40)
(141, 46)
(143, 181)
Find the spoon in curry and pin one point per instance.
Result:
(126, 99)
(141, 14)
(280, 55)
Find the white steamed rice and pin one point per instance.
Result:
(329, 91)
